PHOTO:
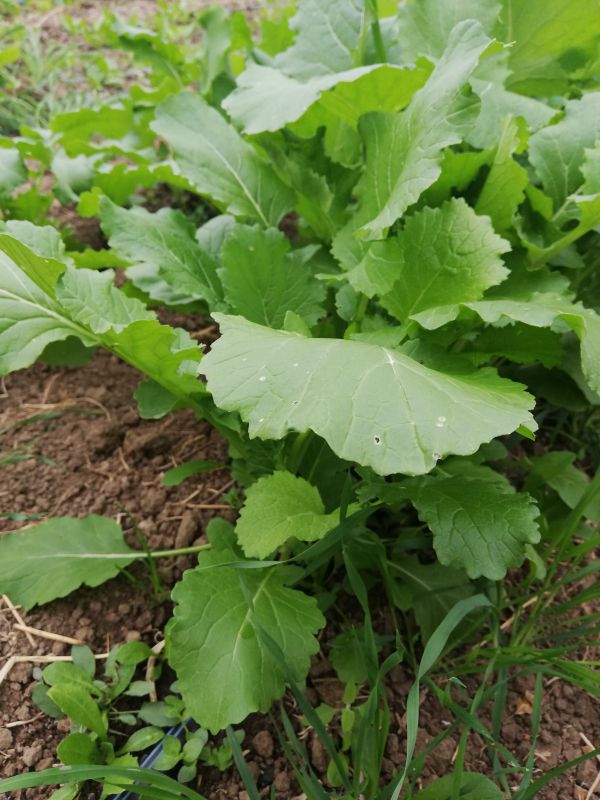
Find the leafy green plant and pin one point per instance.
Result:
(381, 369)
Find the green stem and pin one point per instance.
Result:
(178, 551)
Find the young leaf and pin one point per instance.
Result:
(75, 702)
(278, 507)
(404, 150)
(442, 253)
(263, 279)
(219, 163)
(224, 669)
(371, 404)
(54, 558)
(176, 475)
(479, 523)
(163, 250)
(78, 748)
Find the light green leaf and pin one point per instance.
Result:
(327, 38)
(142, 739)
(163, 250)
(473, 786)
(267, 100)
(12, 170)
(442, 253)
(43, 301)
(547, 35)
(372, 405)
(56, 557)
(590, 170)
(479, 523)
(504, 188)
(263, 279)
(44, 240)
(404, 150)
(75, 702)
(557, 152)
(224, 669)
(279, 507)
(496, 105)
(425, 25)
(78, 748)
(218, 162)
(91, 299)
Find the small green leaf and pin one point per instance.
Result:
(83, 658)
(78, 748)
(40, 697)
(142, 740)
(77, 704)
(278, 507)
(176, 475)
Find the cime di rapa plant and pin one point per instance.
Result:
(395, 228)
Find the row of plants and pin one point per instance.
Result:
(392, 215)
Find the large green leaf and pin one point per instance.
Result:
(371, 404)
(163, 250)
(278, 507)
(404, 149)
(54, 558)
(425, 25)
(479, 523)
(442, 253)
(218, 162)
(327, 38)
(43, 301)
(550, 38)
(557, 152)
(263, 278)
(224, 668)
(267, 100)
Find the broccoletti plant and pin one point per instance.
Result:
(437, 171)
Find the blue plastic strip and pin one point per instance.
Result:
(149, 760)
